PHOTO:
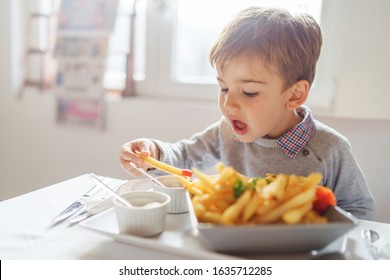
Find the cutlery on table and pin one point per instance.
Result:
(96, 207)
(77, 206)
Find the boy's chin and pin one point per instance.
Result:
(244, 139)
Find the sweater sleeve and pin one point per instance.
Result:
(202, 150)
(345, 177)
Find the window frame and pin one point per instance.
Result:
(159, 69)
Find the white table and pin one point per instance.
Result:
(26, 233)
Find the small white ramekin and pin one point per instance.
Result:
(176, 191)
(138, 220)
(135, 185)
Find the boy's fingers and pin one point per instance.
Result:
(127, 155)
(126, 166)
(126, 151)
(145, 149)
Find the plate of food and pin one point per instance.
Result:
(279, 213)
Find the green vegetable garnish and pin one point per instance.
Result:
(238, 188)
(254, 182)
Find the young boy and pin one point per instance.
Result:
(265, 61)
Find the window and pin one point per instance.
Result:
(179, 34)
(198, 23)
(39, 40)
(119, 45)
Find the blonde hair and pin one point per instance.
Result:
(291, 44)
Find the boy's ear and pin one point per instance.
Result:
(299, 92)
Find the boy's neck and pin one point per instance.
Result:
(291, 121)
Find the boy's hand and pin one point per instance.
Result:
(127, 154)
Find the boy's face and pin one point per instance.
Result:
(253, 99)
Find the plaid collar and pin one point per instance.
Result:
(295, 139)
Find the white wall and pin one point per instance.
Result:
(36, 152)
(363, 89)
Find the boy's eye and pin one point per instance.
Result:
(250, 94)
(224, 90)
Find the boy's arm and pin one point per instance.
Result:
(349, 184)
(200, 151)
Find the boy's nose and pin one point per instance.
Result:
(230, 103)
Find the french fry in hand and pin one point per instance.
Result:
(164, 167)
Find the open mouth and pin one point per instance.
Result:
(239, 127)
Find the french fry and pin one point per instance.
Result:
(220, 167)
(194, 190)
(313, 217)
(213, 198)
(232, 213)
(227, 178)
(267, 206)
(223, 189)
(292, 181)
(295, 215)
(199, 209)
(291, 192)
(276, 188)
(186, 183)
(221, 205)
(312, 180)
(212, 217)
(205, 183)
(189, 186)
(250, 208)
(164, 167)
(300, 199)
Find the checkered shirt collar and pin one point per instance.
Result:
(295, 139)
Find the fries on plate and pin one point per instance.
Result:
(230, 198)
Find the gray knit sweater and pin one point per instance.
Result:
(327, 152)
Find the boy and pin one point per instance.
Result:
(265, 61)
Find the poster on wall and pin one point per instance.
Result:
(81, 77)
(87, 15)
(81, 111)
(84, 29)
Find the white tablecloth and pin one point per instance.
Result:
(26, 233)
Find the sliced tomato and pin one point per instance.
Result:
(325, 198)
